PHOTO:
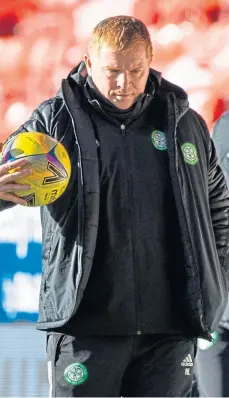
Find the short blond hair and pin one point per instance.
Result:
(121, 33)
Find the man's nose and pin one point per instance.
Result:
(124, 80)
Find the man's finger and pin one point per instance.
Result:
(6, 167)
(13, 198)
(14, 187)
(16, 175)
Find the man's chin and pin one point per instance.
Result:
(122, 103)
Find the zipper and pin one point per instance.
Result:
(123, 129)
(123, 132)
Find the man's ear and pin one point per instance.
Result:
(87, 61)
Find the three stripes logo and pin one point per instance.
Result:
(187, 361)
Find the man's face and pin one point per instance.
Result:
(119, 76)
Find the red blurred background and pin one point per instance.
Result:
(42, 40)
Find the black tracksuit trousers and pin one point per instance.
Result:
(127, 366)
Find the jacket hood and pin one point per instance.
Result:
(159, 86)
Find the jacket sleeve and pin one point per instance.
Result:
(219, 207)
(40, 121)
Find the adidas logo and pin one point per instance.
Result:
(187, 361)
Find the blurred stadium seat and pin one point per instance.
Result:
(41, 40)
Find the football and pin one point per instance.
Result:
(49, 161)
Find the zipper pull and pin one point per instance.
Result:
(123, 129)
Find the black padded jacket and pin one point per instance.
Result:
(70, 224)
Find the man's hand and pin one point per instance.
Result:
(8, 180)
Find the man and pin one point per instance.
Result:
(135, 252)
(212, 365)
